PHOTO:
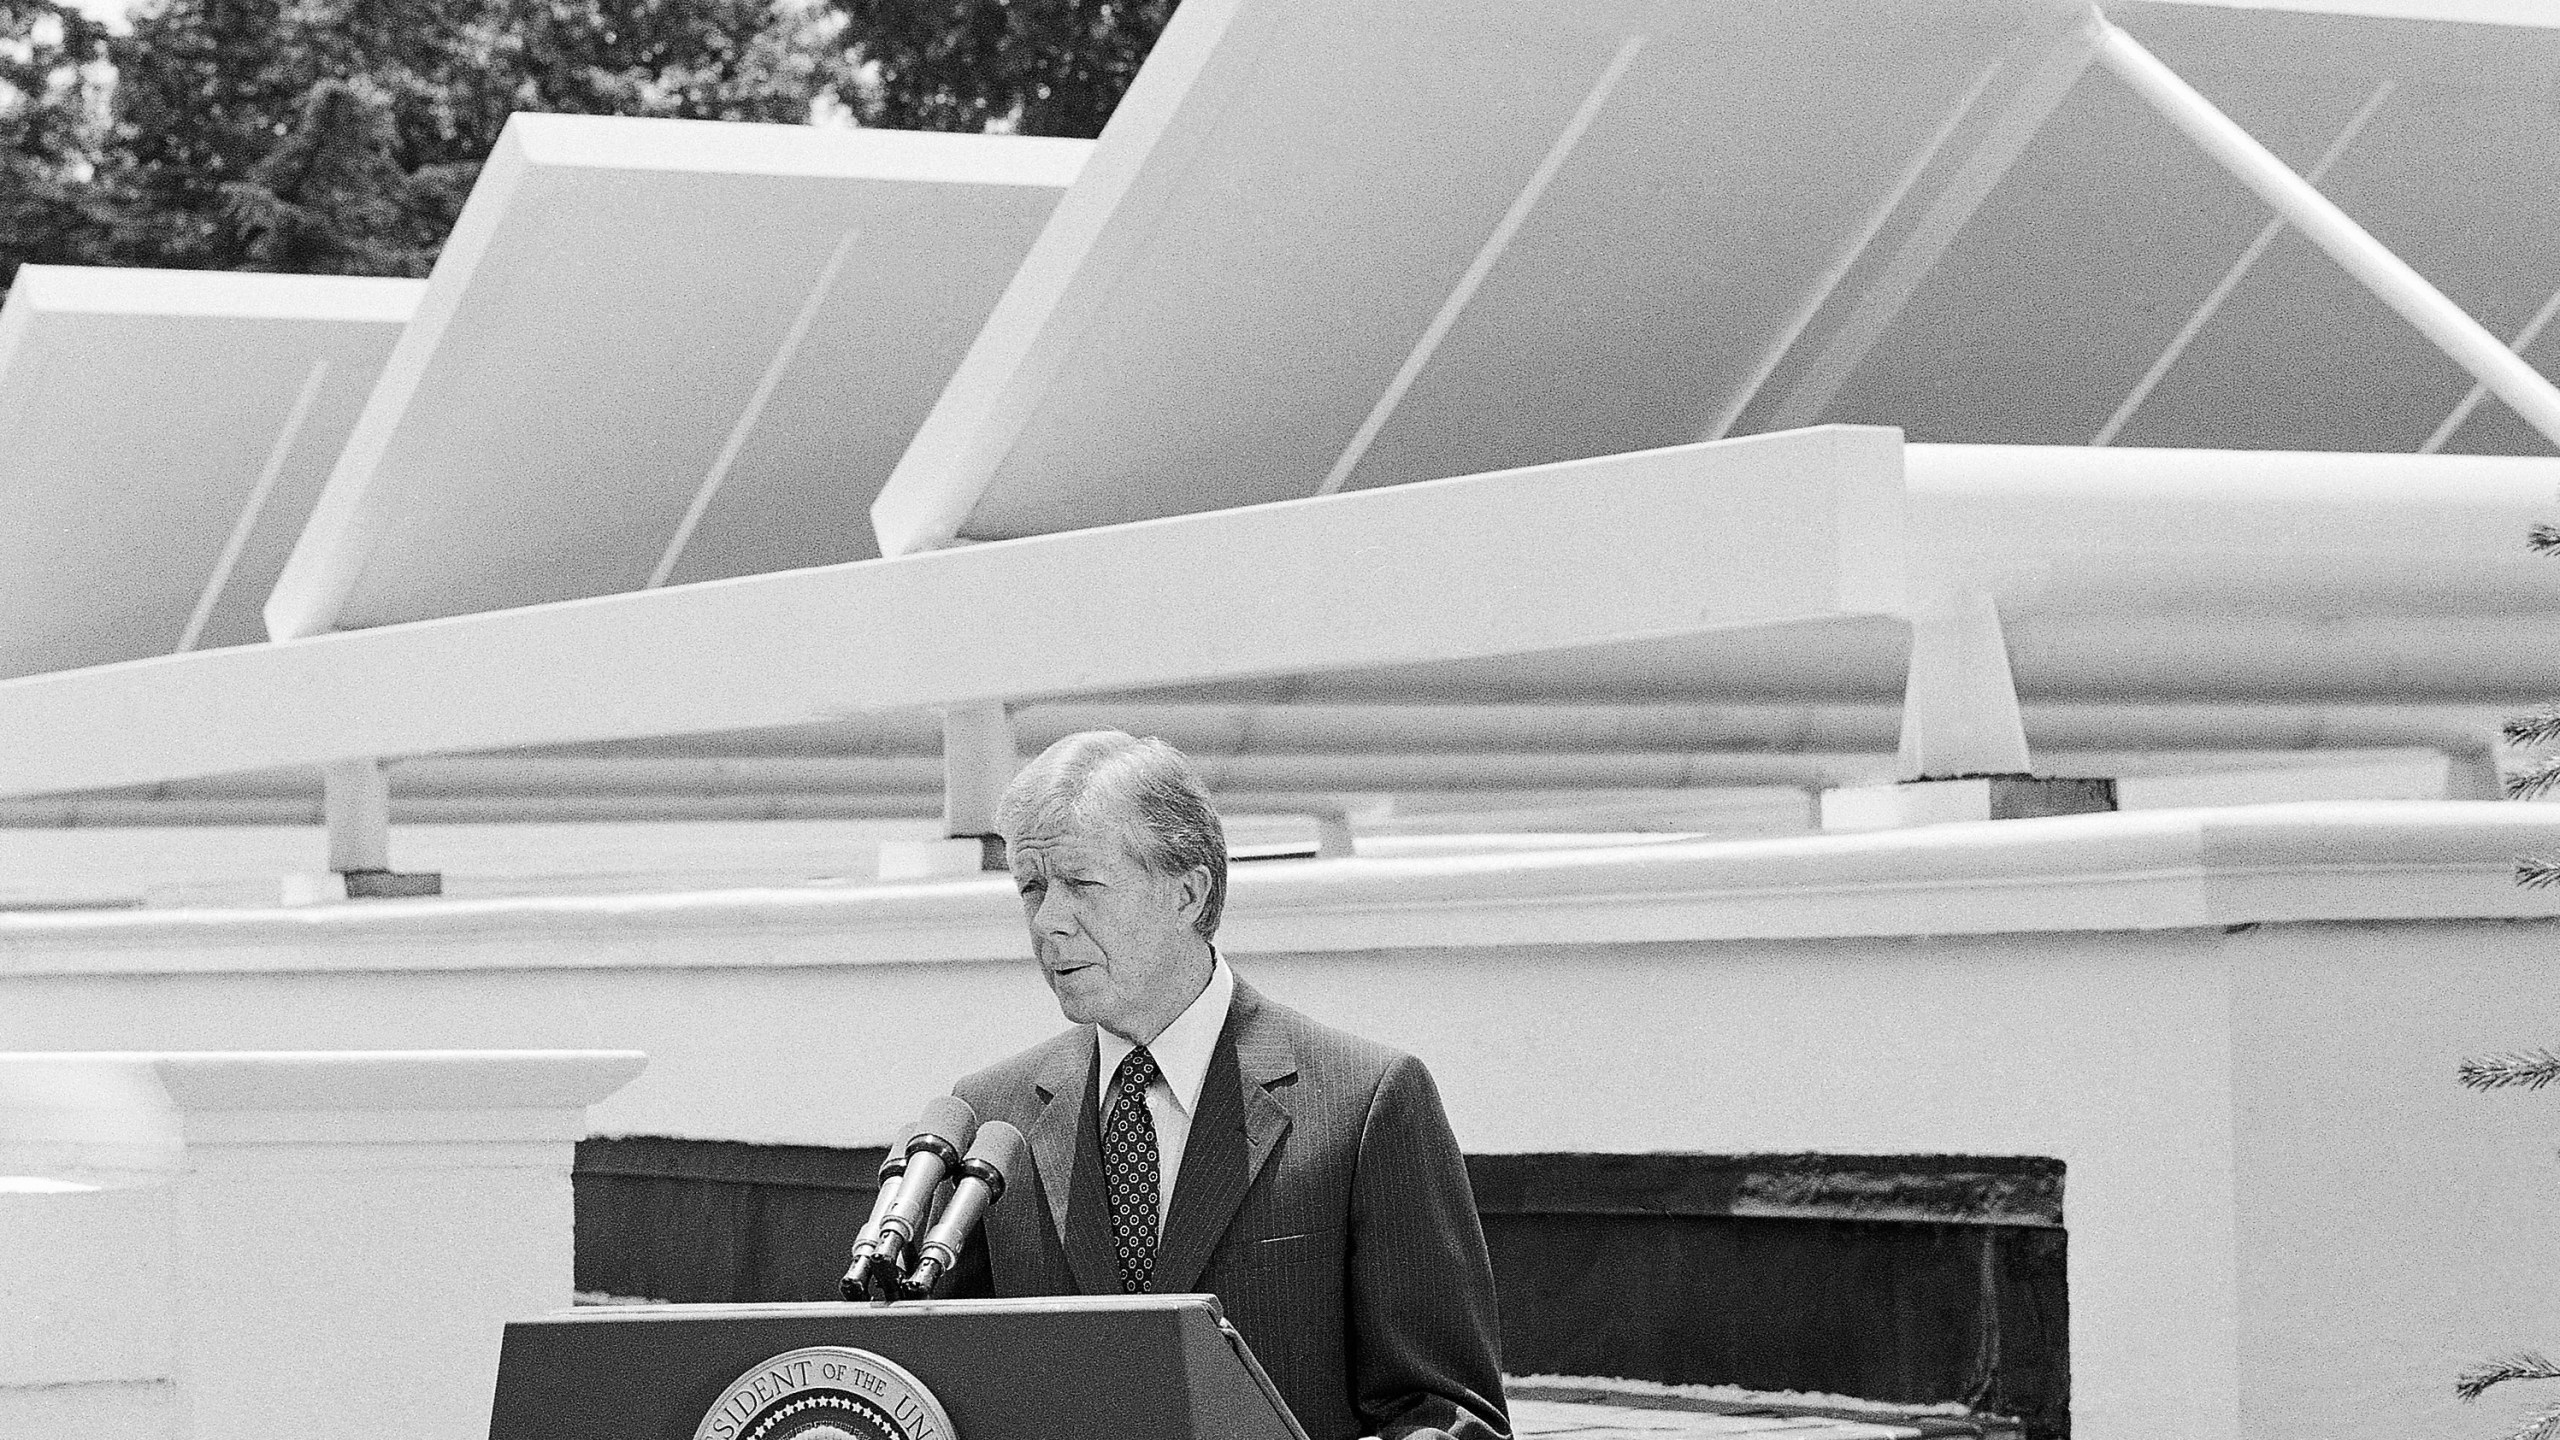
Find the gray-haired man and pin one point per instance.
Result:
(1190, 1135)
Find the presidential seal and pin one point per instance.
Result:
(826, 1392)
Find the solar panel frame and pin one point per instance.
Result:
(163, 435)
(642, 330)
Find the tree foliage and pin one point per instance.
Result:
(2523, 1069)
(389, 106)
(1034, 67)
(2524, 1365)
(2531, 1069)
(681, 59)
(47, 84)
(332, 199)
(2539, 777)
(52, 114)
(342, 135)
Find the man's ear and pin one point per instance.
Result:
(1194, 895)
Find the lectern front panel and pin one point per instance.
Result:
(1140, 1367)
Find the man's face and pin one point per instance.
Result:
(1114, 940)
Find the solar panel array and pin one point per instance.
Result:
(1324, 246)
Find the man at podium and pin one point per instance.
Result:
(1190, 1135)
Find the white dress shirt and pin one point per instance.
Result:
(1182, 1066)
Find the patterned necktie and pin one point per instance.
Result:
(1129, 1169)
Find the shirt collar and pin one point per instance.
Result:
(1182, 1051)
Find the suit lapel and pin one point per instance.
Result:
(1090, 1255)
(1238, 1125)
(1053, 1135)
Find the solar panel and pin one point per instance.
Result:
(2118, 284)
(1329, 244)
(1335, 245)
(661, 351)
(162, 436)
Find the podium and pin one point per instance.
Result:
(1131, 1367)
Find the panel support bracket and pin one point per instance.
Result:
(356, 807)
(1959, 703)
(978, 762)
(1964, 744)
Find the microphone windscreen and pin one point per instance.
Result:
(1000, 1146)
(896, 1159)
(949, 1119)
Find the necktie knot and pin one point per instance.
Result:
(1137, 1071)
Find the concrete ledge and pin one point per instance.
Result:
(116, 1114)
(2130, 871)
(287, 1244)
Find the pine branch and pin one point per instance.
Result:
(2522, 1365)
(2531, 1069)
(2537, 872)
(2542, 727)
(2535, 781)
(2545, 1426)
(2545, 539)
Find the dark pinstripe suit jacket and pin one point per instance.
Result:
(1322, 1200)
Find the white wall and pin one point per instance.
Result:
(279, 1246)
(2236, 1028)
(2394, 1227)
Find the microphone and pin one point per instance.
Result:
(866, 1242)
(991, 1164)
(947, 1125)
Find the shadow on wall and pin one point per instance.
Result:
(1910, 1279)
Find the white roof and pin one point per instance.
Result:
(633, 315)
(141, 414)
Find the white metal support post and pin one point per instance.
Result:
(978, 761)
(1964, 744)
(1959, 704)
(2373, 265)
(356, 806)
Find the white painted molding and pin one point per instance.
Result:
(83, 1113)
(2150, 870)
